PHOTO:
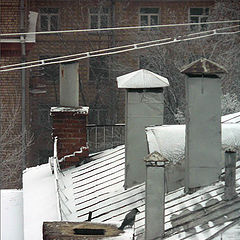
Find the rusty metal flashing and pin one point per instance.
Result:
(203, 67)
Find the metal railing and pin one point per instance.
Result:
(61, 198)
(101, 137)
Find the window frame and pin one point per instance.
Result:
(149, 17)
(99, 14)
(49, 15)
(199, 27)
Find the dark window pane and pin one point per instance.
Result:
(52, 10)
(149, 10)
(104, 21)
(207, 11)
(54, 22)
(44, 22)
(94, 21)
(203, 19)
(154, 20)
(194, 19)
(144, 20)
(196, 11)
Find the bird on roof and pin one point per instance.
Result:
(129, 219)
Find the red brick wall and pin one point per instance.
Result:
(70, 129)
(10, 98)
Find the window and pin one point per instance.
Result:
(49, 72)
(49, 19)
(198, 15)
(149, 16)
(98, 69)
(99, 18)
(97, 116)
(44, 116)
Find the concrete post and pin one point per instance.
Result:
(144, 107)
(230, 175)
(69, 84)
(203, 123)
(155, 196)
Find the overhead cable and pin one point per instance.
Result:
(117, 50)
(117, 28)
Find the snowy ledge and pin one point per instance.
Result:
(82, 110)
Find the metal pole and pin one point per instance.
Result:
(23, 79)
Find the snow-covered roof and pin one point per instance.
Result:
(11, 213)
(231, 118)
(142, 79)
(169, 140)
(39, 200)
(97, 186)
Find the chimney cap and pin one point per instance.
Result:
(203, 66)
(155, 157)
(142, 79)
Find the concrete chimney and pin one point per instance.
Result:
(155, 196)
(144, 106)
(230, 175)
(69, 84)
(203, 126)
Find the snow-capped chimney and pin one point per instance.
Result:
(69, 126)
(203, 123)
(144, 107)
(155, 196)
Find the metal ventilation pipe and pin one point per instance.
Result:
(230, 175)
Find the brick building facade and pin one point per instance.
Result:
(97, 76)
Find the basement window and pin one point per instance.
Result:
(88, 231)
(49, 19)
(198, 15)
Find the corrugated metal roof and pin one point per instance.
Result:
(98, 187)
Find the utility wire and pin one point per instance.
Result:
(128, 48)
(42, 61)
(117, 28)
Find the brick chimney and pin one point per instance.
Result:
(69, 126)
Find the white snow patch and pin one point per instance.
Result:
(11, 214)
(39, 197)
(169, 140)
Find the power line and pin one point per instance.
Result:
(113, 48)
(117, 28)
(128, 48)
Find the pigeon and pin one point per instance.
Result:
(129, 219)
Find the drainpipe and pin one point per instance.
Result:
(155, 196)
(230, 175)
(23, 80)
